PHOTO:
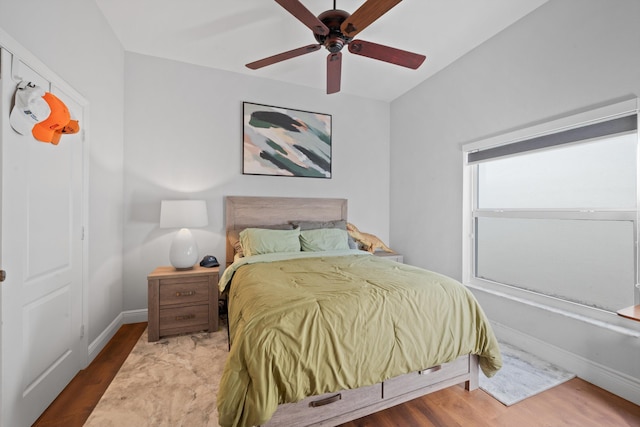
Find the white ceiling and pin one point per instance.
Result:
(229, 34)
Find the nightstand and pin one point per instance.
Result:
(182, 301)
(393, 256)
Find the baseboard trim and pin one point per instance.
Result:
(135, 316)
(98, 344)
(126, 317)
(600, 375)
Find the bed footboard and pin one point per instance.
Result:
(336, 408)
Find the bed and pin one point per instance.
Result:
(330, 334)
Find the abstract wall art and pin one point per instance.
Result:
(285, 142)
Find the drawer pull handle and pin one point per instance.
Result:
(186, 317)
(430, 370)
(326, 401)
(185, 294)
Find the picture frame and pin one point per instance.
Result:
(281, 141)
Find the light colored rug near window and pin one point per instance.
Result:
(172, 382)
(522, 375)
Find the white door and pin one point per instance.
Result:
(42, 253)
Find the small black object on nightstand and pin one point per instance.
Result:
(209, 261)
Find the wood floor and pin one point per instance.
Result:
(574, 403)
(74, 405)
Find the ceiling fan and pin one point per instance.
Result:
(336, 28)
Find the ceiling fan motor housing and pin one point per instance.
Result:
(335, 40)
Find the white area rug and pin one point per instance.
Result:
(522, 375)
(168, 383)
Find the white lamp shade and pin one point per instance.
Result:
(184, 250)
(183, 214)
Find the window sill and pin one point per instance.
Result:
(596, 317)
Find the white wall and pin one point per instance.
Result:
(73, 39)
(567, 56)
(183, 139)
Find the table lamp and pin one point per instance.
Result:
(183, 214)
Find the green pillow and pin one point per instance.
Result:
(338, 223)
(256, 241)
(234, 236)
(324, 239)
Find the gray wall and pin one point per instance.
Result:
(183, 139)
(565, 57)
(73, 39)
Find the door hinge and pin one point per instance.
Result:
(81, 331)
(82, 233)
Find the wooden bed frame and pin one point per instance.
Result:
(243, 212)
(336, 408)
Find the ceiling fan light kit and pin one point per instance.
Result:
(334, 29)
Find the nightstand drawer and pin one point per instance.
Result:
(182, 301)
(183, 291)
(174, 320)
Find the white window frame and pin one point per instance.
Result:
(470, 213)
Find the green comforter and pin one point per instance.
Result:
(318, 324)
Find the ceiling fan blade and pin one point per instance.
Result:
(334, 71)
(365, 15)
(303, 14)
(283, 56)
(386, 53)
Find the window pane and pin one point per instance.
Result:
(598, 174)
(588, 262)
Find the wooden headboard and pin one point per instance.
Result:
(243, 212)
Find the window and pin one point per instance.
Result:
(556, 214)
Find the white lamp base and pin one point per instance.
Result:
(184, 250)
